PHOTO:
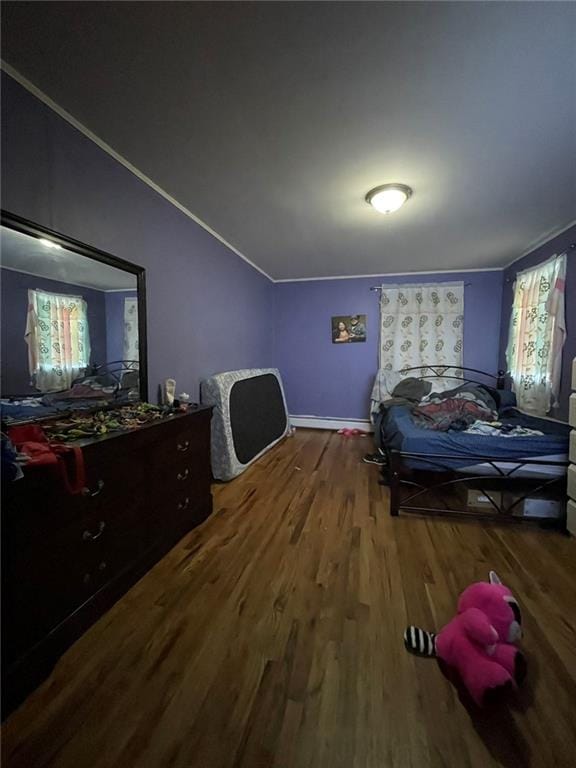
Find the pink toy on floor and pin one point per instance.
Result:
(347, 432)
(479, 641)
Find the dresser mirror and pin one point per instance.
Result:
(73, 325)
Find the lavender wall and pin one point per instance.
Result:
(14, 306)
(115, 323)
(557, 245)
(208, 310)
(332, 380)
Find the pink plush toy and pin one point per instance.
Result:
(479, 641)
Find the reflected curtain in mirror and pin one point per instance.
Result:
(58, 339)
(131, 346)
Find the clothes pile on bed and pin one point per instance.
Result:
(473, 408)
(456, 409)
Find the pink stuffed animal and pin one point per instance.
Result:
(479, 641)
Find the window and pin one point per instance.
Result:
(537, 334)
(421, 324)
(58, 339)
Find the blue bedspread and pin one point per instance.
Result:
(28, 409)
(399, 432)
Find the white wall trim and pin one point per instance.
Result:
(389, 274)
(320, 422)
(542, 241)
(35, 91)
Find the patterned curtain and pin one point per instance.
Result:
(421, 325)
(537, 335)
(58, 339)
(131, 349)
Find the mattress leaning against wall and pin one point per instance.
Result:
(249, 417)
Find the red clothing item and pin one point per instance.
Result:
(67, 460)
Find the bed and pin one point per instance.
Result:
(499, 475)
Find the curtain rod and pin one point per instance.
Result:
(571, 247)
(379, 287)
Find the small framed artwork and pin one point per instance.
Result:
(347, 329)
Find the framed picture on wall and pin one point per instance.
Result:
(348, 329)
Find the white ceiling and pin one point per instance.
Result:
(271, 121)
(23, 253)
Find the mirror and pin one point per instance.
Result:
(73, 324)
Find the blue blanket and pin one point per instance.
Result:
(399, 432)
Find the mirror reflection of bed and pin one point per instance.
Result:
(69, 329)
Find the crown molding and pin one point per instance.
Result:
(39, 94)
(390, 274)
(542, 241)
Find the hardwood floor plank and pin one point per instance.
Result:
(271, 637)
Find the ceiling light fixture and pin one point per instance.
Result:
(389, 197)
(50, 243)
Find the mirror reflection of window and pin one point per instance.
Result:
(58, 338)
(69, 327)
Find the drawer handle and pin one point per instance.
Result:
(184, 504)
(183, 446)
(99, 489)
(183, 475)
(88, 536)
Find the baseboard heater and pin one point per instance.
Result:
(249, 417)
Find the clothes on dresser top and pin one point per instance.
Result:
(67, 461)
(11, 460)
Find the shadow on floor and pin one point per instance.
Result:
(495, 724)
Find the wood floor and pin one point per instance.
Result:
(272, 636)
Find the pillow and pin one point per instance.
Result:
(412, 389)
(506, 399)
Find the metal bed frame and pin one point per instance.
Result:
(429, 491)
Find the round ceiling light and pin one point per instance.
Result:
(389, 197)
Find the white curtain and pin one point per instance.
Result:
(58, 339)
(537, 335)
(421, 325)
(131, 350)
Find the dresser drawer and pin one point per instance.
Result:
(572, 481)
(46, 584)
(185, 442)
(182, 513)
(50, 580)
(114, 539)
(109, 475)
(170, 478)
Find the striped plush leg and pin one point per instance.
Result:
(420, 642)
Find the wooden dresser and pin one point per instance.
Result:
(66, 559)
